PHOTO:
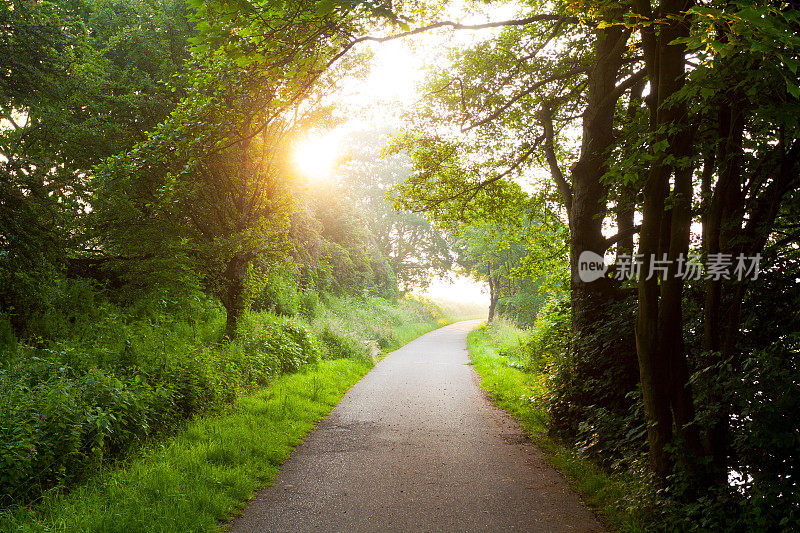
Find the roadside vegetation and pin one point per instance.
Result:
(180, 441)
(517, 381)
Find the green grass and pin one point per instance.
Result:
(210, 470)
(390, 325)
(200, 477)
(520, 392)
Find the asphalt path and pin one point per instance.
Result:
(416, 446)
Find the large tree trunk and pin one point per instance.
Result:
(662, 362)
(722, 206)
(232, 291)
(587, 208)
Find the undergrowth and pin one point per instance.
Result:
(201, 477)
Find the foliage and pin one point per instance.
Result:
(211, 183)
(551, 333)
(591, 392)
(333, 247)
(416, 249)
(194, 191)
(67, 410)
(197, 479)
(523, 260)
(340, 346)
(82, 80)
(277, 291)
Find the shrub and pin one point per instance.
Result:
(523, 304)
(123, 378)
(278, 346)
(551, 335)
(592, 381)
(309, 305)
(54, 432)
(59, 421)
(73, 307)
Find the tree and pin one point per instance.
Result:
(211, 183)
(512, 103)
(521, 260)
(417, 250)
(721, 102)
(81, 80)
(348, 248)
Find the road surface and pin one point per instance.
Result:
(416, 446)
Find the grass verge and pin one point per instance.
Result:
(205, 472)
(520, 392)
(201, 477)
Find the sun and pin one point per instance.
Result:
(316, 155)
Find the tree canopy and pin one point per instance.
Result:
(147, 161)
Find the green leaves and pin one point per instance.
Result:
(792, 88)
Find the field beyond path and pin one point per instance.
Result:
(416, 446)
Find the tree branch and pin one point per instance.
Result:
(614, 239)
(619, 90)
(519, 96)
(546, 116)
(315, 74)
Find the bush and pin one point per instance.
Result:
(59, 421)
(592, 396)
(74, 308)
(523, 304)
(278, 293)
(309, 305)
(277, 346)
(54, 432)
(551, 335)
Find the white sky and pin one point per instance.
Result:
(459, 289)
(399, 67)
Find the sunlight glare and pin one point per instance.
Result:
(316, 155)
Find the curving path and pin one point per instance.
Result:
(416, 446)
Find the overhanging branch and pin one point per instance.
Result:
(624, 234)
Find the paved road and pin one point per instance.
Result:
(415, 446)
